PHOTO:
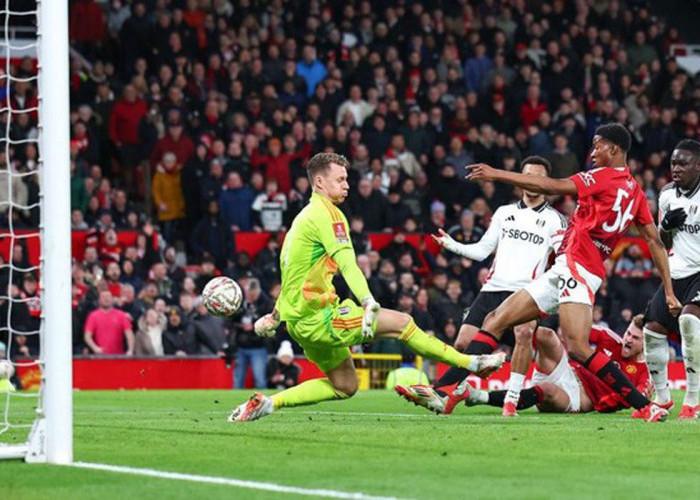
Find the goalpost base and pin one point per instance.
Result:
(34, 450)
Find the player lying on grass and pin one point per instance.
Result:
(315, 248)
(679, 223)
(564, 386)
(524, 235)
(609, 201)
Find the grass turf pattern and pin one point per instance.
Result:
(375, 443)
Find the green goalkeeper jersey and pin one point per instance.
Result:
(317, 244)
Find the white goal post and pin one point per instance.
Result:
(51, 436)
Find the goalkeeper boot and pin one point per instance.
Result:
(256, 407)
(688, 412)
(489, 363)
(644, 412)
(423, 395)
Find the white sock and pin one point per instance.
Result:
(478, 396)
(690, 341)
(515, 385)
(656, 353)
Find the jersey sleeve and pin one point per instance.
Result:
(643, 216)
(332, 230)
(592, 182)
(487, 244)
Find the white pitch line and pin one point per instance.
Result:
(240, 483)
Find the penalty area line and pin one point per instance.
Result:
(225, 481)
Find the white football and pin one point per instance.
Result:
(222, 296)
(7, 369)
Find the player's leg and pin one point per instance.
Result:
(395, 324)
(469, 340)
(689, 325)
(518, 308)
(575, 320)
(658, 322)
(520, 361)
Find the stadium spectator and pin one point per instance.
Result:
(251, 350)
(167, 196)
(149, 337)
(282, 371)
(108, 330)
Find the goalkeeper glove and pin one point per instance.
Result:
(371, 307)
(266, 326)
(673, 219)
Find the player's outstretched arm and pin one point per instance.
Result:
(658, 254)
(534, 183)
(474, 251)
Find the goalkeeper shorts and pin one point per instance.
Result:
(327, 335)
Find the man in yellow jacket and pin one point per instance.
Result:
(167, 195)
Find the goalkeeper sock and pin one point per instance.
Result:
(528, 397)
(607, 371)
(656, 354)
(306, 393)
(689, 326)
(482, 343)
(433, 348)
(515, 385)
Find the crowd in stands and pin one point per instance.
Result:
(203, 113)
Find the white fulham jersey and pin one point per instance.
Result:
(684, 258)
(524, 239)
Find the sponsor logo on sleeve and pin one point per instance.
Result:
(341, 236)
(587, 178)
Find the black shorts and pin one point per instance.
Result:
(486, 302)
(687, 291)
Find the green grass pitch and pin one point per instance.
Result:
(375, 443)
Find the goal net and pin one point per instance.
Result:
(35, 291)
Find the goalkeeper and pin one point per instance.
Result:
(315, 248)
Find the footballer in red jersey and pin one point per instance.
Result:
(564, 386)
(610, 201)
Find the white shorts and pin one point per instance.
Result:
(559, 286)
(564, 377)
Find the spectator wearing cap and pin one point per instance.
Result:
(236, 200)
(212, 237)
(311, 70)
(282, 371)
(369, 204)
(167, 196)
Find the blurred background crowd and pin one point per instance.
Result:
(191, 121)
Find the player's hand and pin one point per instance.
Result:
(445, 241)
(480, 172)
(266, 326)
(673, 219)
(372, 308)
(674, 305)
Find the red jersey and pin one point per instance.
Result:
(603, 397)
(609, 200)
